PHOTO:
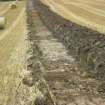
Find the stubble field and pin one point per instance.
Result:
(87, 13)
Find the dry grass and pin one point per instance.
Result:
(3, 6)
(87, 13)
(8, 74)
(12, 55)
(13, 48)
(11, 18)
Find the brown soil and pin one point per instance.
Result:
(86, 45)
(54, 68)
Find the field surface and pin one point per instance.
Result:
(37, 65)
(13, 48)
(90, 13)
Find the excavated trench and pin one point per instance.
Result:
(86, 45)
(60, 52)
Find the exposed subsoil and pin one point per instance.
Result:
(56, 51)
(86, 45)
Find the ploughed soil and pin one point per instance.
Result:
(67, 60)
